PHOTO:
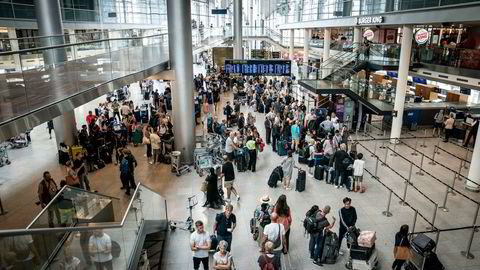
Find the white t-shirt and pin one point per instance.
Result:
(219, 259)
(229, 145)
(358, 166)
(72, 265)
(271, 232)
(101, 243)
(155, 141)
(200, 239)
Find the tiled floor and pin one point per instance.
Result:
(19, 181)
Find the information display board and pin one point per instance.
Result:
(258, 67)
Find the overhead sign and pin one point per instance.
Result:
(370, 20)
(369, 35)
(421, 36)
(219, 11)
(258, 67)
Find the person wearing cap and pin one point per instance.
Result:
(263, 215)
(228, 175)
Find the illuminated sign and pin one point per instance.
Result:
(369, 20)
(421, 36)
(258, 67)
(369, 35)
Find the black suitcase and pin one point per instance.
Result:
(302, 160)
(330, 175)
(432, 262)
(301, 181)
(105, 155)
(361, 253)
(319, 172)
(423, 243)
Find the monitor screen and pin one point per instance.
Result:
(258, 67)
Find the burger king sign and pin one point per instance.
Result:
(369, 35)
(421, 36)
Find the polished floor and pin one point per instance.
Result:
(19, 182)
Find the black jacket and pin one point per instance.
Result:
(338, 158)
(349, 216)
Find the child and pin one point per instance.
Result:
(358, 167)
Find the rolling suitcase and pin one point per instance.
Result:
(423, 243)
(301, 181)
(104, 154)
(319, 172)
(330, 175)
(330, 248)
(361, 253)
(281, 149)
(136, 138)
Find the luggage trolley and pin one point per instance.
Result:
(176, 167)
(360, 258)
(186, 225)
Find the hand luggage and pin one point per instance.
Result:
(432, 262)
(214, 244)
(105, 154)
(367, 239)
(330, 247)
(423, 243)
(301, 181)
(319, 172)
(76, 149)
(277, 175)
(361, 253)
(137, 138)
(281, 149)
(302, 160)
(330, 175)
(371, 263)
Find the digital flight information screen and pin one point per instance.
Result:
(258, 67)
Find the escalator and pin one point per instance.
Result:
(79, 228)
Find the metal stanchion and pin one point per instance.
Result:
(365, 128)
(383, 145)
(435, 206)
(450, 190)
(433, 158)
(384, 133)
(469, 246)
(460, 169)
(424, 138)
(2, 211)
(466, 159)
(438, 147)
(394, 154)
(436, 241)
(410, 174)
(414, 153)
(420, 171)
(376, 168)
(414, 221)
(386, 156)
(387, 213)
(444, 206)
(402, 201)
(374, 150)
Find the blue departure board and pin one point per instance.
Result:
(258, 67)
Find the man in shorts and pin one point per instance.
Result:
(229, 175)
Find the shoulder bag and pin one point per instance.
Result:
(401, 252)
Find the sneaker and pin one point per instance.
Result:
(341, 253)
(151, 162)
(289, 188)
(317, 263)
(337, 187)
(238, 198)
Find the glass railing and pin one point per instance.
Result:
(79, 243)
(448, 56)
(28, 82)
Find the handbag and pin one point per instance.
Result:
(402, 252)
(203, 187)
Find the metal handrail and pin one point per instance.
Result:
(102, 225)
(74, 44)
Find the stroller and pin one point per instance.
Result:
(4, 156)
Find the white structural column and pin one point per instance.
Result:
(181, 62)
(357, 37)
(474, 172)
(237, 29)
(405, 52)
(291, 44)
(65, 128)
(327, 40)
(306, 49)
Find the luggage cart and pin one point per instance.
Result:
(177, 168)
(186, 225)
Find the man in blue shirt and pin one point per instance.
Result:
(295, 135)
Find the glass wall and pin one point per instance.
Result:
(106, 11)
(309, 10)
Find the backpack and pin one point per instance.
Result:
(124, 168)
(266, 219)
(268, 263)
(346, 162)
(310, 222)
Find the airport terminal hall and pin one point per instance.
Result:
(239, 134)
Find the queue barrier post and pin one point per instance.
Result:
(444, 205)
(436, 240)
(376, 168)
(374, 149)
(424, 138)
(466, 159)
(387, 212)
(460, 169)
(433, 157)
(414, 221)
(402, 201)
(394, 153)
(467, 253)
(384, 133)
(420, 171)
(434, 217)
(414, 153)
(438, 147)
(383, 145)
(386, 156)
(450, 190)
(365, 128)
